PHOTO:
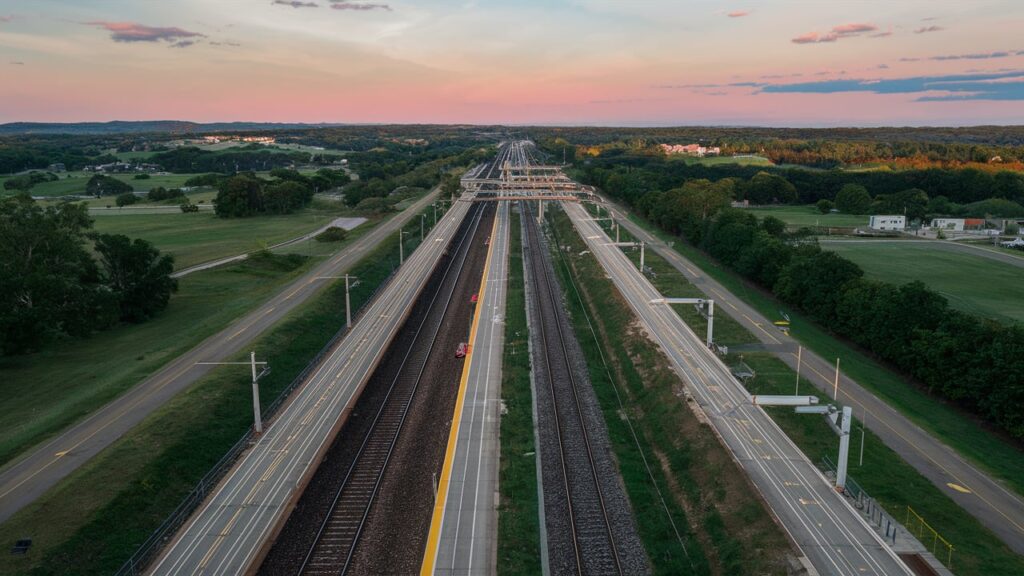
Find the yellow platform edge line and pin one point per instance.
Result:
(434, 536)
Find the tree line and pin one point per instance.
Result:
(965, 359)
(246, 194)
(967, 191)
(59, 279)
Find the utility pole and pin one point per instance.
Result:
(348, 305)
(401, 247)
(641, 256)
(423, 218)
(435, 214)
(257, 418)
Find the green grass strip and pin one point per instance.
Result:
(518, 513)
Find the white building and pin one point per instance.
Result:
(898, 223)
(954, 224)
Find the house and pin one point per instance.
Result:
(897, 223)
(953, 224)
(691, 149)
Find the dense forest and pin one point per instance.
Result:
(951, 191)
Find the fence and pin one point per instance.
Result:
(156, 541)
(924, 530)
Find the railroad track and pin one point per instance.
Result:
(336, 540)
(593, 540)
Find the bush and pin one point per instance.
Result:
(126, 199)
(160, 193)
(189, 207)
(332, 234)
(853, 199)
(141, 177)
(100, 185)
(825, 206)
(373, 204)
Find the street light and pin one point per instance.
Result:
(257, 418)
(348, 304)
(401, 247)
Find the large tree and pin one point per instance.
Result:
(853, 199)
(49, 284)
(137, 274)
(100, 185)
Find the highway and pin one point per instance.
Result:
(822, 524)
(464, 528)
(228, 533)
(993, 505)
(28, 477)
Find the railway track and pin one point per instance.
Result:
(594, 549)
(338, 536)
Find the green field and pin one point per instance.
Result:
(722, 160)
(810, 216)
(974, 284)
(73, 183)
(201, 237)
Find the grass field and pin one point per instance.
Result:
(971, 283)
(722, 160)
(202, 236)
(809, 216)
(73, 183)
(95, 519)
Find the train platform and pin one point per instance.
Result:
(464, 528)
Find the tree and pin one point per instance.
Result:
(239, 195)
(853, 199)
(49, 284)
(825, 205)
(100, 185)
(136, 274)
(284, 196)
(126, 199)
(188, 207)
(765, 188)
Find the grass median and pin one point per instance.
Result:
(93, 520)
(518, 513)
(695, 510)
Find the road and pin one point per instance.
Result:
(464, 529)
(227, 534)
(28, 477)
(979, 251)
(828, 531)
(993, 505)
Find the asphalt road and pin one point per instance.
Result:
(28, 477)
(985, 498)
(829, 532)
(227, 534)
(464, 529)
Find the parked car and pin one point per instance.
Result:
(461, 349)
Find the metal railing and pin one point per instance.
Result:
(924, 530)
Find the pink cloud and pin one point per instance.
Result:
(296, 3)
(926, 29)
(357, 6)
(738, 14)
(6, 18)
(133, 32)
(837, 33)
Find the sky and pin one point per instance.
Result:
(562, 62)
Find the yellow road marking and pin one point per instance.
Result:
(958, 488)
(430, 555)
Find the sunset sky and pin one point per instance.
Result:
(608, 62)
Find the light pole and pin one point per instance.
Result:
(348, 304)
(257, 418)
(423, 219)
(401, 247)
